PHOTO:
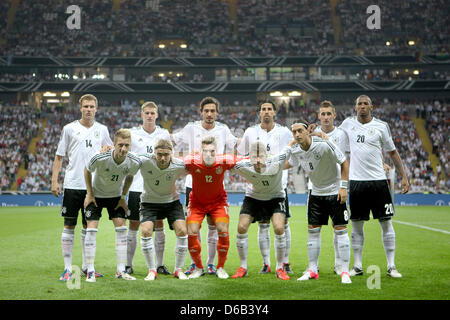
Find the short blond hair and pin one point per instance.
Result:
(164, 144)
(89, 97)
(209, 140)
(149, 104)
(122, 133)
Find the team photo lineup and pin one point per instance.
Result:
(133, 176)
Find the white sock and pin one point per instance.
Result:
(388, 236)
(314, 242)
(83, 253)
(67, 237)
(357, 242)
(131, 246)
(90, 245)
(242, 248)
(181, 247)
(148, 251)
(213, 237)
(160, 244)
(264, 241)
(337, 261)
(280, 248)
(343, 248)
(121, 247)
(287, 232)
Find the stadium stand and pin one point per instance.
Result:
(251, 28)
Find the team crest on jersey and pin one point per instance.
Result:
(316, 155)
(97, 134)
(151, 172)
(219, 170)
(371, 132)
(107, 169)
(87, 213)
(197, 171)
(126, 170)
(169, 177)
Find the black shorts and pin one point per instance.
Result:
(158, 211)
(286, 203)
(72, 203)
(366, 196)
(94, 213)
(263, 210)
(319, 208)
(134, 201)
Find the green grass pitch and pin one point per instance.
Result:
(31, 262)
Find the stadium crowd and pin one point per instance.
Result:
(256, 28)
(38, 178)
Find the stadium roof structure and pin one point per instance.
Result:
(326, 60)
(227, 87)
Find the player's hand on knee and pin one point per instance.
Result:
(88, 200)
(122, 204)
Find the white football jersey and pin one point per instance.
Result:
(320, 161)
(159, 185)
(268, 184)
(109, 176)
(367, 142)
(275, 140)
(193, 133)
(80, 144)
(143, 142)
(340, 139)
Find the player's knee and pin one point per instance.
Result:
(242, 228)
(159, 224)
(147, 230)
(278, 229)
(180, 231)
(134, 225)
(338, 227)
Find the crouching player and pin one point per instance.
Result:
(264, 201)
(110, 170)
(208, 197)
(160, 200)
(322, 159)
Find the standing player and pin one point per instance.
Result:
(159, 201)
(327, 115)
(112, 170)
(369, 189)
(264, 201)
(143, 139)
(321, 159)
(80, 140)
(192, 135)
(208, 196)
(276, 137)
